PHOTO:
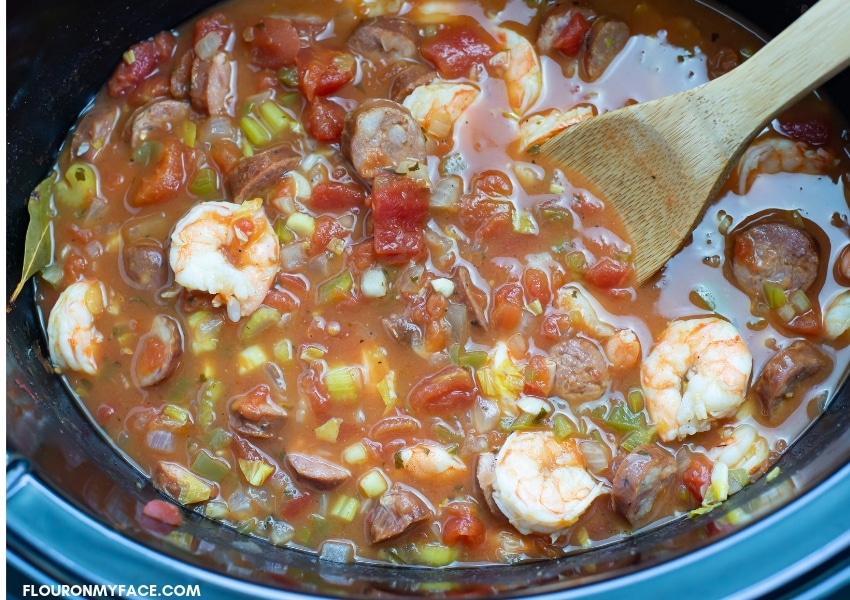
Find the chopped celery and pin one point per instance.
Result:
(217, 439)
(800, 301)
(355, 454)
(437, 555)
(283, 233)
(337, 288)
(562, 427)
(205, 183)
(373, 483)
(773, 474)
(344, 384)
(524, 223)
(290, 99)
(190, 133)
(740, 477)
(302, 224)
(211, 394)
(345, 508)
(786, 313)
(555, 214)
(192, 488)
(774, 294)
(337, 246)
(635, 438)
(175, 417)
(214, 469)
(475, 359)
(583, 538)
(283, 350)
(255, 471)
(329, 430)
(635, 400)
(288, 76)
(205, 329)
(261, 319)
(535, 308)
(621, 419)
(577, 262)
(526, 421)
(251, 359)
(216, 510)
(78, 188)
(254, 131)
(276, 120)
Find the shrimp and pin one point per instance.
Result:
(519, 65)
(836, 318)
(742, 448)
(437, 106)
(430, 461)
(623, 349)
(772, 154)
(582, 314)
(71, 333)
(536, 129)
(697, 373)
(540, 484)
(229, 250)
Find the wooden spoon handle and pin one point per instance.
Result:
(809, 52)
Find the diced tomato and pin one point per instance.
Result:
(463, 527)
(155, 86)
(507, 306)
(274, 43)
(138, 62)
(608, 273)
(266, 80)
(104, 413)
(456, 49)
(165, 178)
(449, 390)
(226, 154)
(333, 195)
(362, 256)
(538, 377)
(324, 119)
(554, 326)
(294, 506)
(697, 475)
(164, 512)
(399, 206)
(436, 337)
(282, 300)
(214, 23)
(571, 38)
(812, 130)
(322, 71)
(326, 229)
(493, 183)
(537, 286)
(806, 324)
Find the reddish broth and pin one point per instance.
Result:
(412, 320)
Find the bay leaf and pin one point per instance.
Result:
(38, 245)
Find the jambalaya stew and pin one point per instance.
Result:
(307, 270)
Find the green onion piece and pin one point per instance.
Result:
(475, 359)
(211, 394)
(329, 430)
(255, 471)
(454, 354)
(800, 301)
(535, 308)
(562, 427)
(437, 555)
(218, 439)
(254, 131)
(302, 224)
(446, 434)
(260, 320)
(774, 294)
(635, 400)
(345, 508)
(78, 188)
(288, 77)
(214, 469)
(274, 117)
(621, 419)
(290, 99)
(336, 289)
(190, 133)
(344, 384)
(786, 313)
(644, 435)
(205, 183)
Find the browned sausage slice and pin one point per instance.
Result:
(639, 481)
(158, 351)
(604, 41)
(144, 264)
(396, 512)
(555, 20)
(581, 372)
(320, 473)
(93, 132)
(210, 88)
(255, 176)
(254, 414)
(379, 135)
(410, 76)
(385, 40)
(156, 116)
(471, 297)
(775, 252)
(800, 364)
(181, 76)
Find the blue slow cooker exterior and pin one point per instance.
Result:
(73, 505)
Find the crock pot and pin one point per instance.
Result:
(74, 505)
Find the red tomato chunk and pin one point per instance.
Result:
(324, 120)
(456, 50)
(451, 389)
(322, 71)
(569, 41)
(274, 43)
(399, 206)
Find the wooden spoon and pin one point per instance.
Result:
(659, 163)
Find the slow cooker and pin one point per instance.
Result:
(74, 521)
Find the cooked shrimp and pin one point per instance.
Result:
(773, 154)
(519, 65)
(582, 315)
(540, 484)
(836, 318)
(229, 250)
(437, 106)
(538, 128)
(697, 373)
(623, 349)
(741, 448)
(71, 332)
(430, 461)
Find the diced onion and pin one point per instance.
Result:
(161, 440)
(293, 256)
(218, 127)
(373, 283)
(443, 286)
(457, 316)
(447, 192)
(208, 45)
(595, 455)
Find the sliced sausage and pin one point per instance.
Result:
(379, 135)
(640, 480)
(255, 176)
(320, 473)
(396, 512)
(93, 132)
(775, 252)
(403, 330)
(254, 414)
(181, 76)
(159, 115)
(556, 20)
(410, 76)
(485, 475)
(581, 372)
(210, 88)
(175, 480)
(144, 264)
(604, 41)
(385, 40)
(800, 365)
(472, 297)
(158, 351)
